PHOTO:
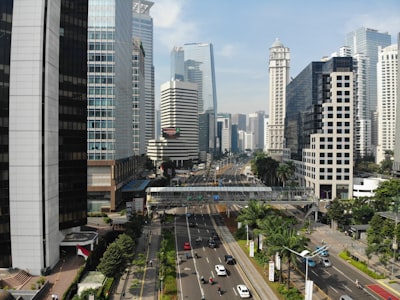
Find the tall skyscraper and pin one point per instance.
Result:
(279, 66)
(179, 125)
(240, 120)
(224, 132)
(396, 162)
(199, 68)
(387, 69)
(110, 100)
(42, 129)
(142, 25)
(365, 42)
(320, 107)
(256, 125)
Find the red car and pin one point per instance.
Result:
(186, 246)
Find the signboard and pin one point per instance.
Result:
(277, 261)
(309, 290)
(171, 132)
(251, 248)
(271, 271)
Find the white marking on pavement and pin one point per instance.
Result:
(347, 288)
(333, 289)
(207, 260)
(234, 291)
(219, 259)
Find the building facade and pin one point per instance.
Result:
(43, 124)
(240, 120)
(225, 133)
(396, 161)
(387, 70)
(279, 67)
(179, 126)
(326, 163)
(365, 42)
(110, 134)
(256, 125)
(198, 67)
(142, 27)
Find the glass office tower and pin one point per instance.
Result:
(365, 41)
(142, 26)
(42, 129)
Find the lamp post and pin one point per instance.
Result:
(306, 254)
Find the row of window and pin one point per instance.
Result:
(101, 102)
(330, 177)
(101, 79)
(100, 35)
(101, 113)
(100, 124)
(100, 68)
(101, 146)
(101, 90)
(100, 135)
(101, 46)
(100, 156)
(100, 57)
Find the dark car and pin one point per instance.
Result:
(192, 224)
(212, 244)
(229, 259)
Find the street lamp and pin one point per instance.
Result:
(306, 254)
(161, 287)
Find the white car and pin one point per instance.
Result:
(326, 262)
(243, 291)
(220, 270)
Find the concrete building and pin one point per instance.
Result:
(198, 67)
(396, 162)
(224, 131)
(279, 66)
(326, 162)
(387, 70)
(42, 130)
(111, 104)
(240, 120)
(256, 125)
(179, 125)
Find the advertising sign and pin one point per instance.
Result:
(271, 271)
(171, 132)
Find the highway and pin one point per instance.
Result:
(191, 269)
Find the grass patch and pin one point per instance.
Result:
(362, 266)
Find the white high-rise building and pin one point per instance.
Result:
(142, 26)
(224, 125)
(387, 96)
(256, 125)
(396, 162)
(279, 65)
(179, 125)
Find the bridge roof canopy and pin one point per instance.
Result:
(211, 189)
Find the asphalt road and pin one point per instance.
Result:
(191, 269)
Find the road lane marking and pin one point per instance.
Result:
(347, 288)
(333, 289)
(207, 260)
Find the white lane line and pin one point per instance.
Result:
(234, 291)
(347, 288)
(333, 289)
(219, 259)
(207, 260)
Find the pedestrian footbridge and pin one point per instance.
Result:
(177, 196)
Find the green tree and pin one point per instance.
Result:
(112, 263)
(285, 171)
(265, 168)
(385, 193)
(127, 246)
(254, 211)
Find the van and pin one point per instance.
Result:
(345, 297)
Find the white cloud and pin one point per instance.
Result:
(171, 29)
(382, 23)
(228, 50)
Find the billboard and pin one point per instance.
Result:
(171, 132)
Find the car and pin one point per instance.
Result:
(311, 262)
(220, 270)
(345, 297)
(212, 244)
(186, 246)
(229, 259)
(322, 252)
(192, 224)
(325, 262)
(243, 291)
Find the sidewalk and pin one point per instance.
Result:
(142, 284)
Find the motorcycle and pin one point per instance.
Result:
(202, 280)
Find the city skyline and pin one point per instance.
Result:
(242, 36)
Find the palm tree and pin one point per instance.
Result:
(285, 171)
(280, 233)
(254, 211)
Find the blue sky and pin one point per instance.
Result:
(243, 31)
